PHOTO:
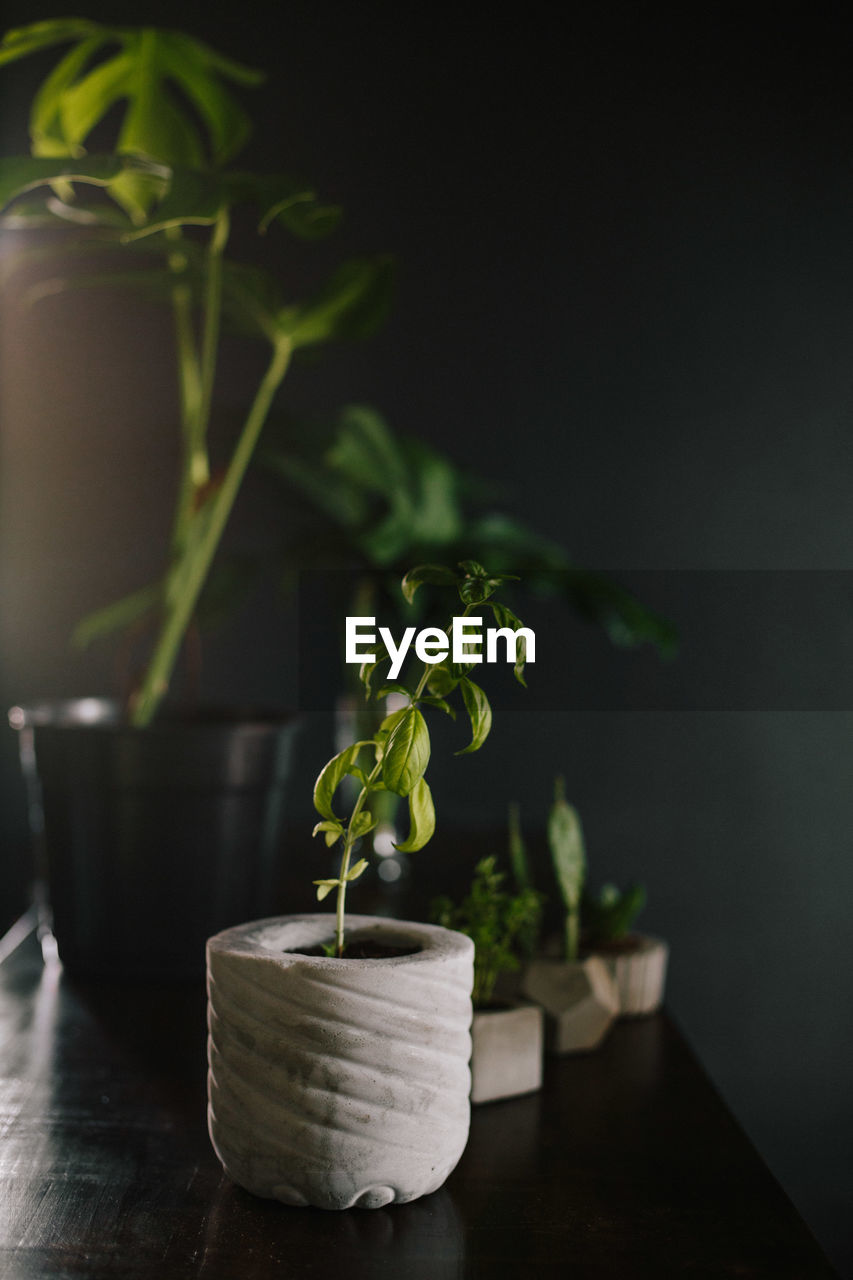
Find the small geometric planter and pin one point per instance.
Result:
(506, 1057)
(339, 1082)
(580, 999)
(639, 973)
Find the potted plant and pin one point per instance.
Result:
(507, 1036)
(577, 992)
(339, 1048)
(377, 500)
(127, 796)
(636, 962)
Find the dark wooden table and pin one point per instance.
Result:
(626, 1164)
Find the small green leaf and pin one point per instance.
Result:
(325, 887)
(568, 855)
(505, 617)
(364, 822)
(441, 679)
(406, 753)
(479, 712)
(330, 778)
(429, 701)
(434, 574)
(332, 832)
(421, 818)
(393, 686)
(357, 870)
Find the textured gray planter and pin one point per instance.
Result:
(339, 1082)
(639, 975)
(506, 1055)
(579, 998)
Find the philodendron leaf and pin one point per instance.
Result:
(406, 753)
(145, 64)
(280, 198)
(565, 840)
(352, 305)
(421, 818)
(479, 712)
(19, 174)
(434, 574)
(330, 778)
(41, 35)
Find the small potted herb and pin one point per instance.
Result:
(636, 963)
(577, 993)
(339, 1046)
(507, 1038)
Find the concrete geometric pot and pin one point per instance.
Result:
(639, 975)
(506, 1056)
(339, 1082)
(579, 997)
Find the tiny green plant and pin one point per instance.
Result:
(568, 857)
(395, 758)
(608, 917)
(503, 926)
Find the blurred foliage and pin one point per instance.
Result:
(503, 926)
(385, 500)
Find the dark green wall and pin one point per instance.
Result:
(626, 294)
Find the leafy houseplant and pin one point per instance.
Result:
(507, 1039)
(154, 213)
(339, 1045)
(503, 926)
(637, 963)
(577, 993)
(376, 500)
(167, 181)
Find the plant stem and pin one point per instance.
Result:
(212, 319)
(428, 666)
(572, 932)
(188, 575)
(190, 392)
(348, 844)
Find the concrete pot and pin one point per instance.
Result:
(506, 1055)
(639, 975)
(580, 1000)
(332, 1082)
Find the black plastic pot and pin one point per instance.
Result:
(153, 839)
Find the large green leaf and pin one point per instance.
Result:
(479, 713)
(201, 123)
(331, 777)
(406, 753)
(421, 818)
